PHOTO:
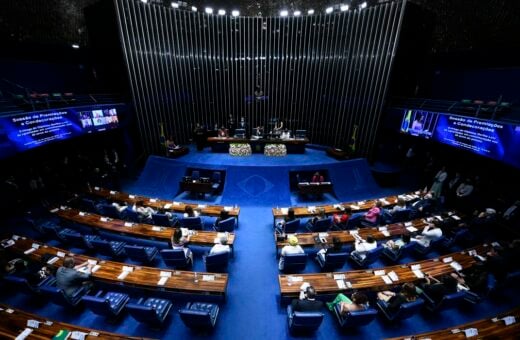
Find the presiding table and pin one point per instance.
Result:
(293, 145)
(314, 188)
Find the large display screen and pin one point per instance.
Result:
(29, 130)
(492, 139)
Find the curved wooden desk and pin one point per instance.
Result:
(141, 277)
(494, 328)
(325, 283)
(14, 321)
(141, 230)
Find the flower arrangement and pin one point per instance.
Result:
(240, 149)
(275, 150)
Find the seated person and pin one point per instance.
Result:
(280, 225)
(170, 144)
(400, 206)
(436, 289)
(474, 278)
(179, 242)
(321, 215)
(145, 212)
(220, 247)
(395, 245)
(258, 132)
(425, 205)
(392, 301)
(277, 130)
(362, 246)
(222, 132)
(23, 269)
(69, 279)
(224, 215)
(337, 247)
(292, 248)
(190, 212)
(307, 300)
(286, 134)
(340, 221)
(317, 178)
(373, 214)
(512, 213)
(120, 207)
(430, 233)
(358, 301)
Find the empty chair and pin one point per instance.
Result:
(140, 253)
(447, 301)
(320, 225)
(300, 322)
(152, 310)
(195, 175)
(294, 262)
(423, 250)
(164, 220)
(88, 204)
(75, 238)
(109, 304)
(57, 295)
(292, 226)
(198, 315)
(405, 311)
(175, 258)
(191, 223)
(332, 261)
(109, 248)
(355, 318)
(371, 256)
(110, 211)
(216, 262)
(22, 285)
(133, 216)
(226, 225)
(216, 181)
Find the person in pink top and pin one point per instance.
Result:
(372, 215)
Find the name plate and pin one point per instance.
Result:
(96, 268)
(165, 274)
(415, 267)
(379, 272)
(153, 200)
(112, 192)
(162, 280)
(387, 280)
(60, 254)
(128, 224)
(339, 276)
(447, 259)
(33, 323)
(167, 206)
(131, 196)
(208, 277)
(104, 219)
(128, 269)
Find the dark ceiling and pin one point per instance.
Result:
(459, 25)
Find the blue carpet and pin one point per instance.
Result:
(253, 308)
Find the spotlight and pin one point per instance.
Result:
(343, 8)
(329, 10)
(221, 12)
(310, 12)
(363, 5)
(175, 5)
(144, 1)
(284, 13)
(297, 13)
(208, 10)
(75, 46)
(194, 9)
(235, 13)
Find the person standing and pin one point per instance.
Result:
(438, 182)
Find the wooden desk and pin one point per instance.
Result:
(314, 188)
(14, 323)
(163, 205)
(197, 187)
(337, 153)
(392, 231)
(299, 212)
(174, 153)
(141, 277)
(141, 230)
(325, 283)
(294, 145)
(487, 328)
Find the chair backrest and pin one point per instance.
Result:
(153, 310)
(195, 175)
(133, 215)
(373, 255)
(322, 224)
(191, 223)
(295, 262)
(452, 300)
(217, 262)
(21, 284)
(104, 247)
(292, 226)
(226, 225)
(57, 296)
(355, 318)
(88, 204)
(335, 260)
(196, 318)
(110, 211)
(98, 305)
(437, 242)
(174, 257)
(306, 321)
(76, 238)
(408, 309)
(137, 253)
(161, 219)
(401, 215)
(216, 178)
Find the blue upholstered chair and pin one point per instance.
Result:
(226, 225)
(140, 253)
(89, 205)
(23, 286)
(447, 301)
(108, 304)
(292, 226)
(355, 318)
(398, 216)
(405, 311)
(57, 295)
(195, 175)
(461, 236)
(108, 248)
(164, 220)
(332, 261)
(198, 315)
(293, 263)
(216, 181)
(422, 250)
(371, 257)
(152, 311)
(77, 239)
(300, 322)
(395, 255)
(194, 223)
(175, 258)
(320, 225)
(110, 211)
(133, 216)
(216, 263)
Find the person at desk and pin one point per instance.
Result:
(292, 248)
(222, 132)
(358, 301)
(337, 247)
(220, 247)
(242, 124)
(258, 132)
(393, 301)
(145, 212)
(190, 212)
(280, 225)
(362, 247)
(430, 233)
(278, 127)
(307, 300)
(170, 144)
(231, 125)
(179, 242)
(70, 279)
(317, 178)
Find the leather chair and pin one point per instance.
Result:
(195, 175)
(320, 225)
(57, 295)
(226, 225)
(355, 318)
(198, 315)
(332, 261)
(23, 286)
(89, 205)
(109, 304)
(422, 250)
(300, 322)
(216, 181)
(292, 226)
(140, 253)
(75, 238)
(395, 255)
(133, 216)
(405, 311)
(175, 258)
(399, 216)
(110, 211)
(152, 311)
(371, 257)
(164, 220)
(293, 263)
(108, 248)
(194, 223)
(216, 262)
(447, 301)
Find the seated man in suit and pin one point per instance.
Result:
(69, 279)
(307, 301)
(317, 178)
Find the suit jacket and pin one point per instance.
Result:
(306, 305)
(70, 279)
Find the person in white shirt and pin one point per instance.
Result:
(292, 248)
(220, 247)
(431, 233)
(512, 211)
(144, 211)
(120, 207)
(362, 247)
(438, 182)
(465, 188)
(189, 212)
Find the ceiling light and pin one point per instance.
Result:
(297, 13)
(235, 13)
(221, 12)
(144, 1)
(284, 13)
(363, 5)
(208, 10)
(329, 10)
(194, 9)
(343, 8)
(310, 12)
(175, 5)
(75, 46)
